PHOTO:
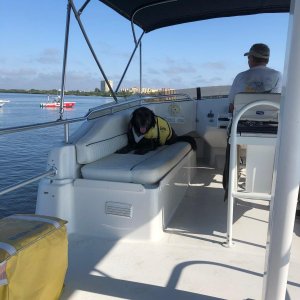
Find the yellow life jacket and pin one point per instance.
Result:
(162, 131)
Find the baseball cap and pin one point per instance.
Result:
(259, 50)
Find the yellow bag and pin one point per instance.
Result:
(33, 257)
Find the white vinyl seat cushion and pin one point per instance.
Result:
(133, 168)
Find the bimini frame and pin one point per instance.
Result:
(77, 13)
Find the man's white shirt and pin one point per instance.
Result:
(258, 79)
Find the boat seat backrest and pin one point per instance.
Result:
(258, 113)
(102, 137)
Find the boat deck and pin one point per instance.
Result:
(190, 261)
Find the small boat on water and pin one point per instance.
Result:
(55, 103)
(2, 102)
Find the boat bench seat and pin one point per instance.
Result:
(144, 169)
(96, 149)
(115, 196)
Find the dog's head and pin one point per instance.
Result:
(142, 120)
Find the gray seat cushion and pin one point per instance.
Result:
(144, 169)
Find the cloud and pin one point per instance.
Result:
(29, 78)
(173, 70)
(50, 56)
(76, 80)
(21, 72)
(207, 81)
(152, 71)
(110, 50)
(170, 73)
(26, 78)
(181, 73)
(217, 65)
(165, 82)
(182, 81)
(174, 67)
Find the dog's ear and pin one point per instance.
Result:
(152, 119)
(131, 117)
(132, 121)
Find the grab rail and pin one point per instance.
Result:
(39, 125)
(103, 110)
(98, 110)
(232, 167)
(50, 172)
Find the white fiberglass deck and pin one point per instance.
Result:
(190, 261)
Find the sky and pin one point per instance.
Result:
(198, 54)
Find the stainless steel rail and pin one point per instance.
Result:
(50, 172)
(101, 111)
(109, 109)
(40, 125)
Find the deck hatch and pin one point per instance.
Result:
(118, 209)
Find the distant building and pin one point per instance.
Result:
(207, 92)
(132, 90)
(135, 90)
(104, 86)
(167, 91)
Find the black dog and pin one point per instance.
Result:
(146, 132)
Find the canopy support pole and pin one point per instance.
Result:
(77, 16)
(141, 68)
(83, 7)
(63, 78)
(134, 35)
(287, 169)
(130, 59)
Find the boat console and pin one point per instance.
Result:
(257, 133)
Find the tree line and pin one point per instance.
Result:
(96, 92)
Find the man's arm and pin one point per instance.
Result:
(232, 93)
(278, 86)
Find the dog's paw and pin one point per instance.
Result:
(121, 151)
(124, 150)
(141, 151)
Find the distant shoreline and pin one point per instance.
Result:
(208, 92)
(57, 92)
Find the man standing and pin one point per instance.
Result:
(257, 79)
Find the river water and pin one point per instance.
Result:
(24, 154)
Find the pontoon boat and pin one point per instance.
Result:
(156, 226)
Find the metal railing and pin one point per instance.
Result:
(52, 171)
(65, 122)
(108, 109)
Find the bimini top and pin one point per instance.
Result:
(151, 15)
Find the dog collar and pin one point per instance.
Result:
(136, 137)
